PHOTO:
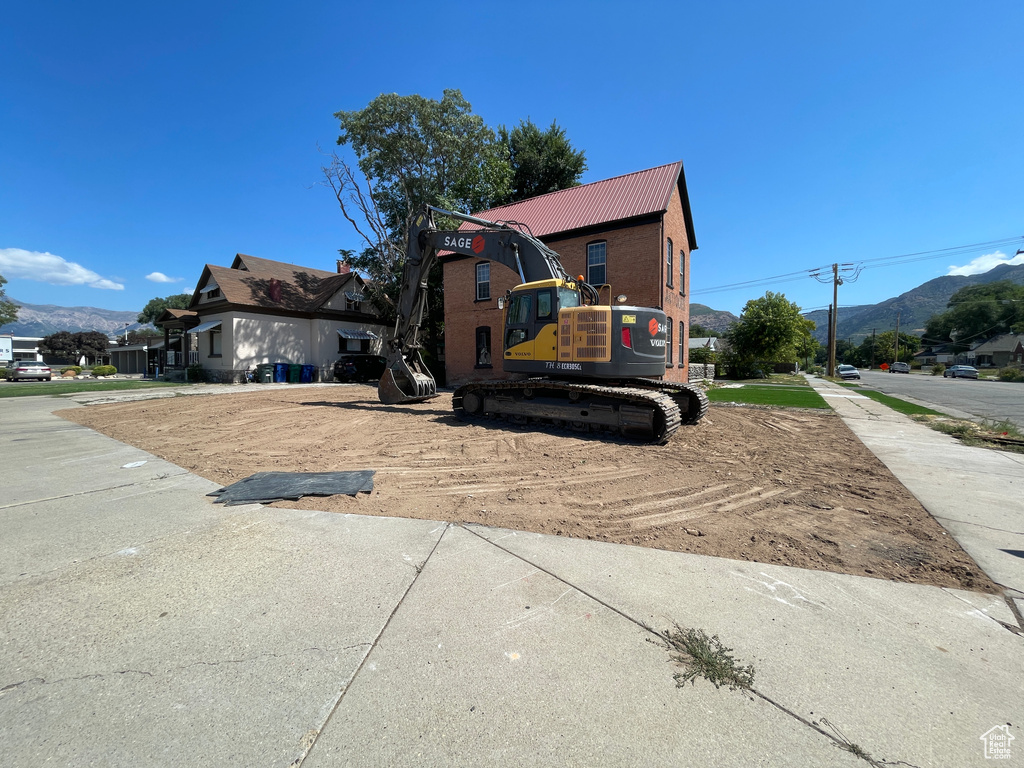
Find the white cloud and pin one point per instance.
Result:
(984, 263)
(160, 277)
(47, 268)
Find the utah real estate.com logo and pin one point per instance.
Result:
(997, 742)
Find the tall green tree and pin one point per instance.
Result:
(8, 309)
(412, 151)
(770, 330)
(141, 336)
(71, 346)
(92, 344)
(155, 307)
(541, 161)
(698, 331)
(977, 312)
(882, 348)
(61, 344)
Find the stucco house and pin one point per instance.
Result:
(262, 311)
(997, 352)
(633, 233)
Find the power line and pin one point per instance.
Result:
(882, 261)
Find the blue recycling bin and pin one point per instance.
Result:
(306, 375)
(280, 373)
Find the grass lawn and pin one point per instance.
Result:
(768, 394)
(775, 380)
(900, 406)
(50, 389)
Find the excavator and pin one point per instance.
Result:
(577, 363)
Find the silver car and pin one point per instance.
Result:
(847, 372)
(960, 372)
(28, 369)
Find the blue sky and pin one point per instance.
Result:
(140, 141)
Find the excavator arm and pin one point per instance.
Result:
(407, 379)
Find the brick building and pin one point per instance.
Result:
(633, 233)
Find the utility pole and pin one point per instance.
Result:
(853, 272)
(897, 337)
(830, 364)
(836, 282)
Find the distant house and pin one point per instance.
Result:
(705, 342)
(997, 352)
(633, 233)
(262, 311)
(937, 353)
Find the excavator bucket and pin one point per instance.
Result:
(401, 384)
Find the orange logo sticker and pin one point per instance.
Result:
(653, 327)
(478, 243)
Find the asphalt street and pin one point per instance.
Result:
(995, 400)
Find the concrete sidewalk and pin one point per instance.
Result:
(976, 494)
(142, 625)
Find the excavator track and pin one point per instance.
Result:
(693, 403)
(637, 413)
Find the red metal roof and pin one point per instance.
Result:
(600, 202)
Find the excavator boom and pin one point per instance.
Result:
(407, 379)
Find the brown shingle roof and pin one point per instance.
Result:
(243, 261)
(1006, 342)
(255, 282)
(601, 202)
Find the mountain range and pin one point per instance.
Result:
(712, 319)
(44, 319)
(913, 308)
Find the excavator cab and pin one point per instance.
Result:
(550, 330)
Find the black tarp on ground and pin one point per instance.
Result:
(265, 487)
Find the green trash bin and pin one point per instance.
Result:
(265, 373)
(294, 373)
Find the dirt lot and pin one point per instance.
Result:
(774, 486)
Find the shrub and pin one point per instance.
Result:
(938, 369)
(915, 365)
(76, 368)
(703, 356)
(1011, 373)
(104, 370)
(195, 373)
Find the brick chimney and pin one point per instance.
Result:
(344, 267)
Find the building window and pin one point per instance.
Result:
(483, 281)
(668, 343)
(682, 340)
(682, 272)
(353, 345)
(483, 346)
(669, 266)
(597, 263)
(215, 342)
(353, 301)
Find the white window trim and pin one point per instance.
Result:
(481, 283)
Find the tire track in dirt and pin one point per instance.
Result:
(787, 487)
